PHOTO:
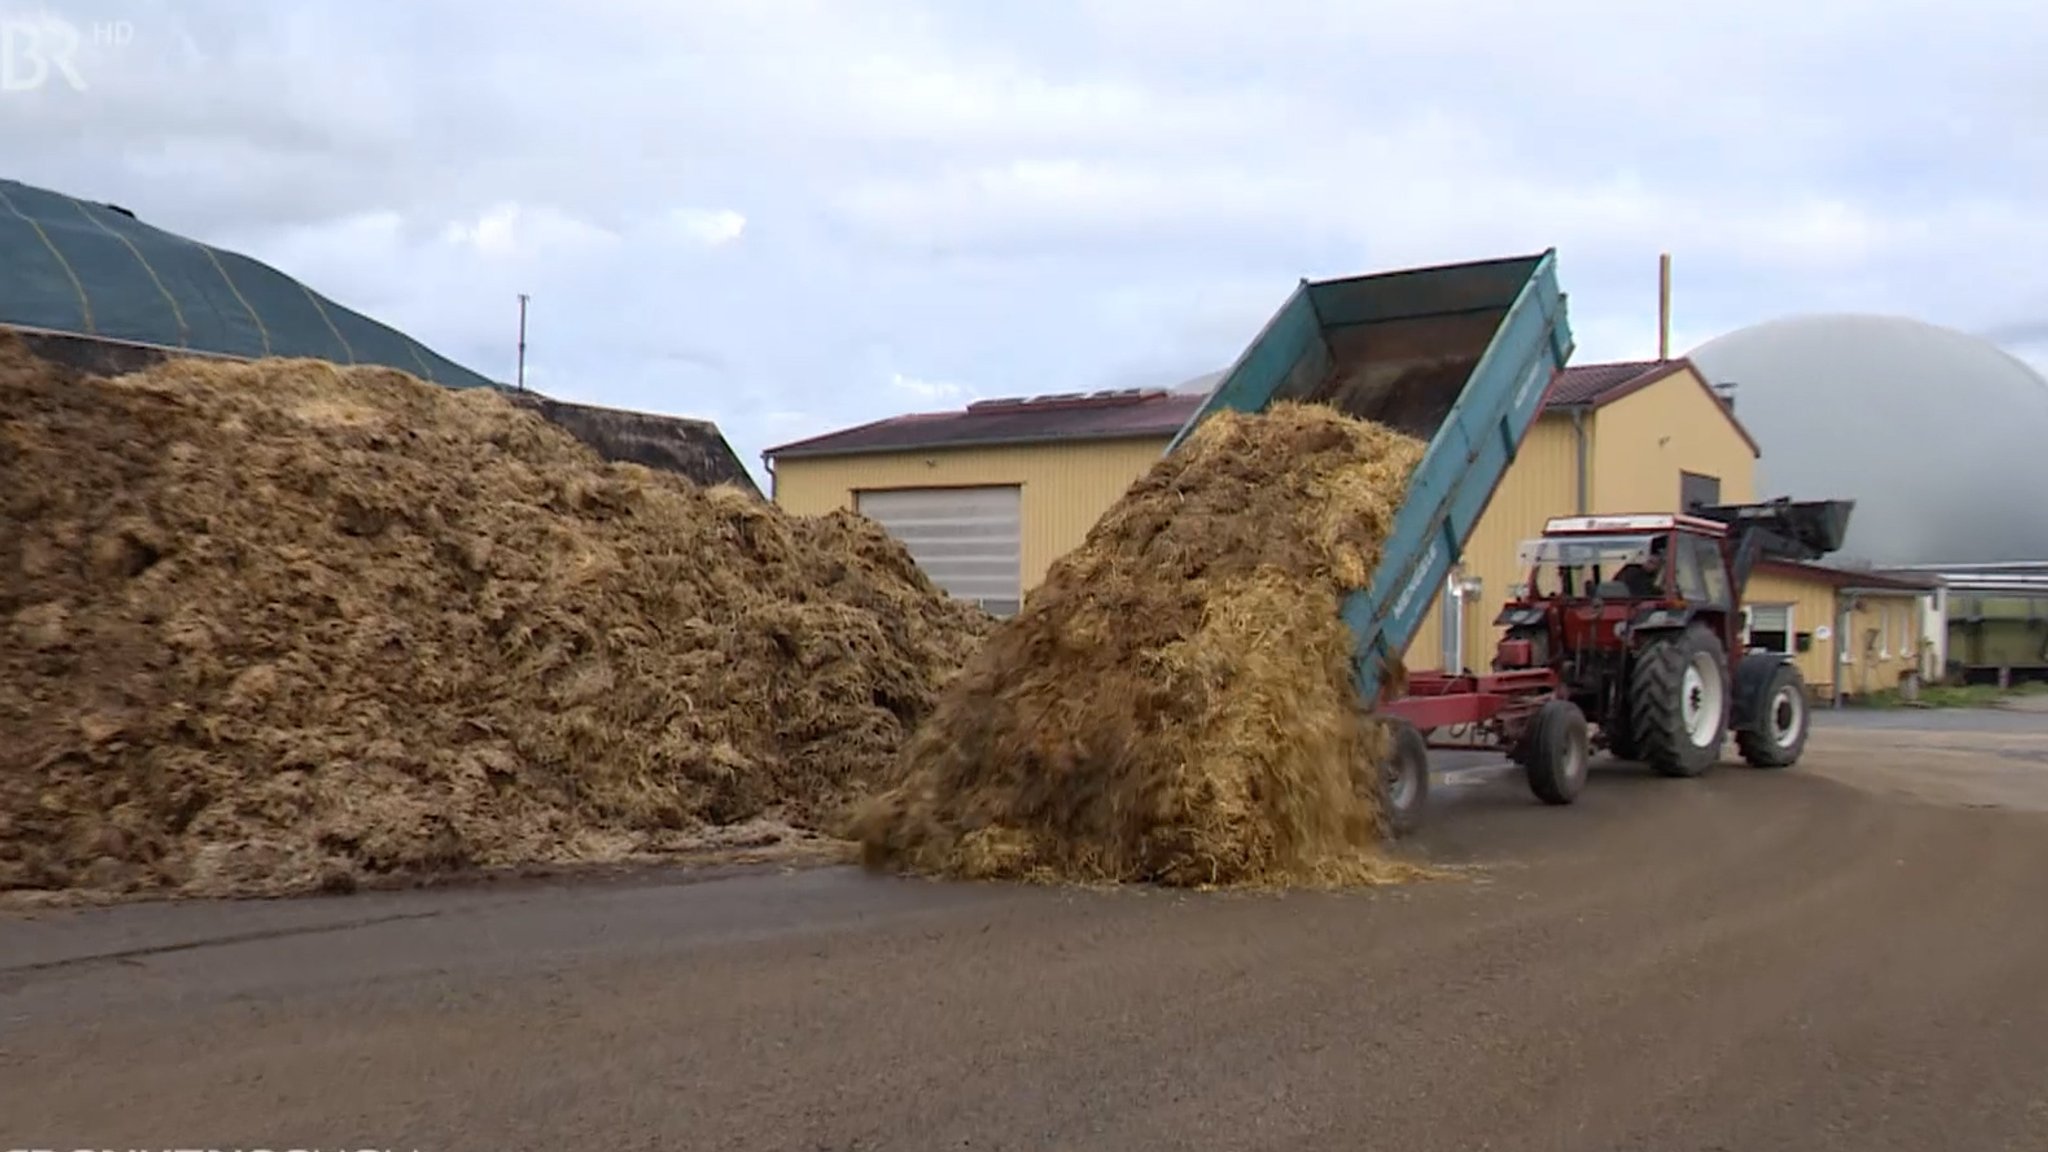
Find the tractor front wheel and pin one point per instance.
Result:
(1678, 701)
(1779, 734)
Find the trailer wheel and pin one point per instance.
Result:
(1404, 781)
(1678, 698)
(1777, 736)
(1558, 747)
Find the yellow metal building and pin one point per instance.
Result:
(986, 498)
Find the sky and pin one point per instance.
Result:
(790, 216)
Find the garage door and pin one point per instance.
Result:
(968, 540)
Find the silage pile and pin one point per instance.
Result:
(283, 626)
(1175, 703)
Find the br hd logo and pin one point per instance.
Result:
(38, 51)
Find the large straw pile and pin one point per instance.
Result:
(1175, 704)
(273, 627)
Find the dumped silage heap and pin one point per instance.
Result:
(283, 626)
(1175, 704)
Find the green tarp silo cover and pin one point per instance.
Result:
(73, 267)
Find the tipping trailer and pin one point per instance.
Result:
(1458, 355)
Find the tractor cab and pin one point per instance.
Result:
(1593, 581)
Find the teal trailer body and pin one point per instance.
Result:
(1459, 356)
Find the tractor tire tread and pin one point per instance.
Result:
(1656, 713)
(1558, 731)
(1755, 744)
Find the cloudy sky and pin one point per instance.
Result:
(792, 215)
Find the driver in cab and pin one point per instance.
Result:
(1645, 578)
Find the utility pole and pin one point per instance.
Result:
(521, 384)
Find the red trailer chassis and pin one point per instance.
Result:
(1523, 712)
(1495, 707)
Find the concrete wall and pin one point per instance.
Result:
(692, 448)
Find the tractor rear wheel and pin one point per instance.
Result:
(1556, 752)
(1404, 781)
(1778, 736)
(1678, 701)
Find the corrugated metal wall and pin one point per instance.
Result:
(1998, 631)
(1066, 487)
(1643, 441)
(1540, 484)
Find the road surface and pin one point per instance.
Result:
(1844, 956)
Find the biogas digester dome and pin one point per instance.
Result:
(1937, 435)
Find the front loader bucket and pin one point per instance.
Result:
(1793, 529)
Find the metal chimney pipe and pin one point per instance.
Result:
(1664, 306)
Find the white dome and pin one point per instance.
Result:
(1937, 435)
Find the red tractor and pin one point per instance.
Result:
(1629, 636)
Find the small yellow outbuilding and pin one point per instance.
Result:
(1852, 632)
(987, 497)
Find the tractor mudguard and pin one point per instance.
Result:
(1752, 680)
(1655, 620)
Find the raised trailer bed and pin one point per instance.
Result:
(1458, 355)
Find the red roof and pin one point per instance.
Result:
(1592, 385)
(1597, 385)
(1153, 413)
(1130, 414)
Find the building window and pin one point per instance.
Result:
(1702, 576)
(1770, 627)
(1696, 491)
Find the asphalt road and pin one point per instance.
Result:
(1838, 957)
